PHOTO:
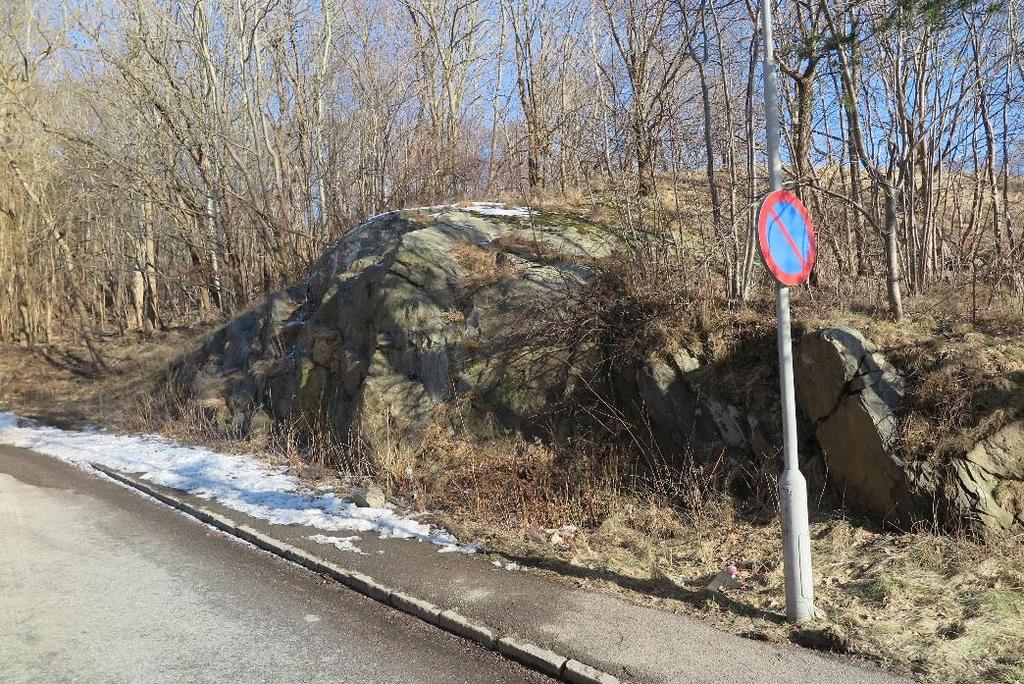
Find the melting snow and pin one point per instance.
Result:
(436, 207)
(482, 208)
(511, 567)
(242, 483)
(496, 209)
(340, 543)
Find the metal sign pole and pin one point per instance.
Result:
(796, 537)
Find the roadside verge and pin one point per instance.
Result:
(573, 633)
(526, 653)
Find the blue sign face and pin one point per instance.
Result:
(786, 238)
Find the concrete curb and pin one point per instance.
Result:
(526, 653)
(538, 658)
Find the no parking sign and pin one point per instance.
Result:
(786, 237)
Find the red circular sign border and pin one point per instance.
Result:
(773, 198)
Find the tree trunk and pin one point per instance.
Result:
(892, 255)
(644, 160)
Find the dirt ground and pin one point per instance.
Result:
(57, 384)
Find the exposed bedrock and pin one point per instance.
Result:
(456, 317)
(853, 398)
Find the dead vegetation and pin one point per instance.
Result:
(478, 265)
(943, 607)
(613, 513)
(57, 383)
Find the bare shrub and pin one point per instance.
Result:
(515, 483)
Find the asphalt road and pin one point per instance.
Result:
(100, 584)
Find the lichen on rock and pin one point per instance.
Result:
(855, 400)
(395, 321)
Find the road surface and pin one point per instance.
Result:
(100, 584)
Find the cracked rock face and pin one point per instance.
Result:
(396, 322)
(422, 317)
(666, 393)
(988, 482)
(850, 394)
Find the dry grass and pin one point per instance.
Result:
(939, 607)
(165, 410)
(57, 383)
(478, 266)
(511, 483)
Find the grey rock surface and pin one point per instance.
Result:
(850, 393)
(852, 396)
(368, 497)
(428, 317)
(398, 320)
(988, 482)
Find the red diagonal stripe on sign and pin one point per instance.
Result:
(789, 238)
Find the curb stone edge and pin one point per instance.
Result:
(526, 653)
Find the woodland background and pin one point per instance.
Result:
(164, 162)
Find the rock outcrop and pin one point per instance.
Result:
(430, 315)
(987, 484)
(399, 319)
(853, 398)
(462, 318)
(666, 394)
(850, 394)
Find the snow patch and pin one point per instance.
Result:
(457, 548)
(242, 483)
(340, 543)
(497, 209)
(435, 207)
(511, 567)
(483, 208)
